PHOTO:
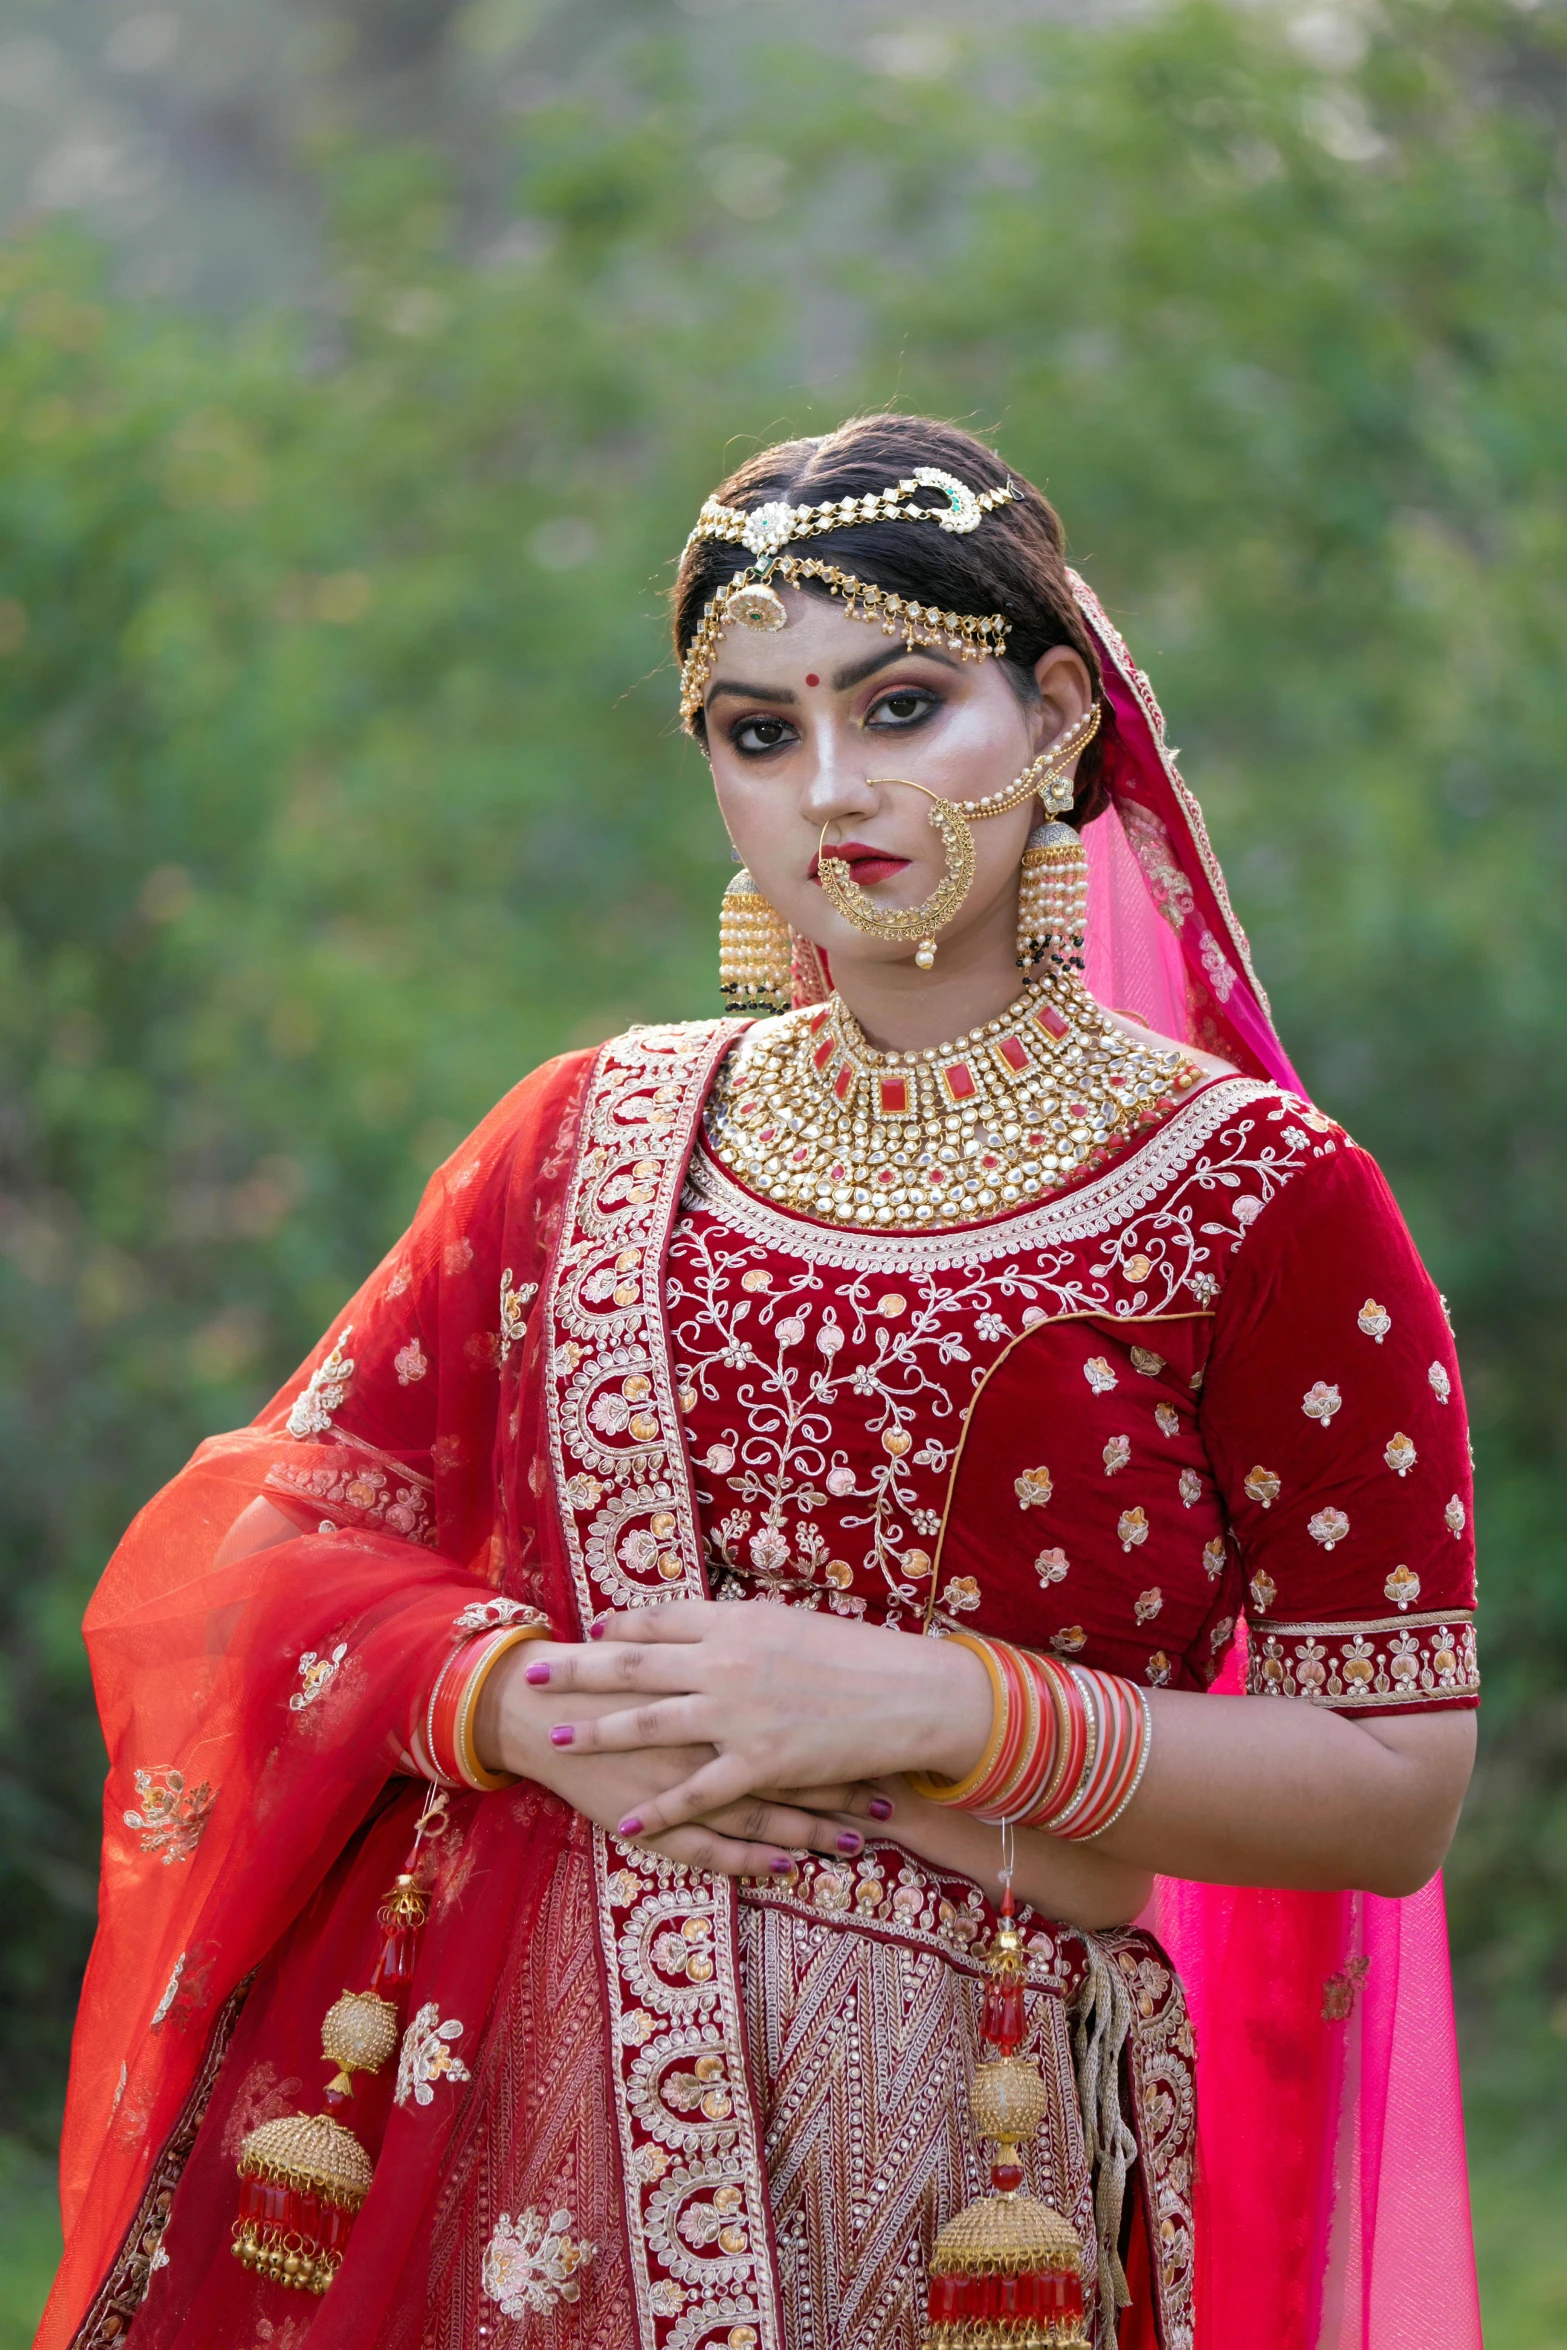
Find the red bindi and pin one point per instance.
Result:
(811, 677)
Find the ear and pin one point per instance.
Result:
(1066, 691)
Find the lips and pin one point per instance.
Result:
(866, 865)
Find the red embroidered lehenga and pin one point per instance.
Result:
(1193, 1416)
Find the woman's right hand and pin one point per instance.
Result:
(755, 1837)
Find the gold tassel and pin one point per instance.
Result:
(753, 950)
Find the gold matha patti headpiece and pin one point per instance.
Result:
(766, 531)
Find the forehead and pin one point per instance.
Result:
(818, 637)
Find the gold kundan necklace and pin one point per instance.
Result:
(808, 1114)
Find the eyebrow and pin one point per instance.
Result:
(858, 671)
(751, 693)
(855, 674)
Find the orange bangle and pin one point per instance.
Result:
(958, 1791)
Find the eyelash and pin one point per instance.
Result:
(908, 693)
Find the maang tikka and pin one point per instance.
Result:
(1045, 779)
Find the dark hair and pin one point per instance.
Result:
(1014, 563)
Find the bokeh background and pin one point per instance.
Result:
(362, 366)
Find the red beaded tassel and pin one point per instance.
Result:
(1007, 2273)
(304, 2176)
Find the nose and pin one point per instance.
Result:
(836, 788)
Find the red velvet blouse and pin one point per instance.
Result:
(1215, 1382)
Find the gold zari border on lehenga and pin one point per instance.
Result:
(695, 2180)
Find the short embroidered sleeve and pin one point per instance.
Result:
(1333, 1414)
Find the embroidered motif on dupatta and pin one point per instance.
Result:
(697, 2224)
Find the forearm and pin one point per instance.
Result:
(1078, 1883)
(1254, 1791)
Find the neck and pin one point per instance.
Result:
(901, 1009)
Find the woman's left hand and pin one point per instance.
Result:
(788, 1698)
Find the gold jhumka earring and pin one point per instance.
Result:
(753, 950)
(1052, 896)
(953, 820)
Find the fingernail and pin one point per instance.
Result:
(848, 1842)
(562, 1734)
(780, 1866)
(537, 1674)
(596, 1628)
(630, 1826)
(880, 1807)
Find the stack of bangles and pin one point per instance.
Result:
(444, 1731)
(1066, 1751)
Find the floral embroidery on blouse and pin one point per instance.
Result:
(1400, 1455)
(531, 2263)
(410, 1363)
(1051, 1566)
(173, 1818)
(427, 2056)
(1132, 1527)
(1262, 1485)
(1069, 1639)
(1374, 1320)
(1456, 1517)
(1213, 1558)
(1368, 1664)
(1190, 1487)
(1264, 1590)
(1033, 1489)
(1327, 1527)
(316, 1674)
(1147, 1604)
(1321, 1401)
(1158, 1668)
(1116, 1454)
(1441, 1385)
(1402, 1586)
(1097, 1372)
(323, 1392)
(1143, 1357)
(1168, 1419)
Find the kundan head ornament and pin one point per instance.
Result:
(765, 532)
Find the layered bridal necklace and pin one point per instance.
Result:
(807, 1113)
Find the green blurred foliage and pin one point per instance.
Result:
(339, 782)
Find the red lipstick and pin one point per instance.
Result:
(866, 865)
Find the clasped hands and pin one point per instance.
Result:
(732, 1737)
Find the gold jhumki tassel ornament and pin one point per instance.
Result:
(754, 950)
(304, 2176)
(1007, 2272)
(1052, 899)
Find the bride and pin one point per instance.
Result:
(825, 1718)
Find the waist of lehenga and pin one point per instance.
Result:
(889, 1893)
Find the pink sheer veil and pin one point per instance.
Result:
(1333, 2188)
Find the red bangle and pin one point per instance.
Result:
(453, 1703)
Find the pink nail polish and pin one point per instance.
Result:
(849, 1843)
(596, 1628)
(537, 1674)
(631, 1826)
(880, 1807)
(562, 1734)
(781, 1867)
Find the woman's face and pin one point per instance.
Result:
(807, 725)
